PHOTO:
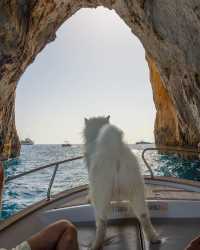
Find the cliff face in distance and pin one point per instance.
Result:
(168, 30)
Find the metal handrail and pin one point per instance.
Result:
(169, 149)
(56, 164)
(51, 182)
(41, 168)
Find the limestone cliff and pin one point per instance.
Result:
(166, 127)
(168, 30)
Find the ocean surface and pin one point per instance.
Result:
(25, 191)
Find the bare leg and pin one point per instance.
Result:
(68, 240)
(61, 235)
(194, 244)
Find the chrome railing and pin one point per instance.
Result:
(56, 164)
(176, 150)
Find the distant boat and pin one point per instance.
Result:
(66, 144)
(27, 141)
(143, 142)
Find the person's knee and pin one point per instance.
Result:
(69, 237)
(72, 231)
(69, 227)
(63, 223)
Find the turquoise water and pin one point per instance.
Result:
(27, 190)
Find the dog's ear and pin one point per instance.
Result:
(86, 120)
(108, 118)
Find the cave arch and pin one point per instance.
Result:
(169, 33)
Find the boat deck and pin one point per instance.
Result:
(122, 234)
(153, 192)
(126, 235)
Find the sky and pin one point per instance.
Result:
(96, 66)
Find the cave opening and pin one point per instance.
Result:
(96, 66)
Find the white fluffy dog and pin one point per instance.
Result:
(112, 167)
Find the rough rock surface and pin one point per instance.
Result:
(168, 30)
(166, 123)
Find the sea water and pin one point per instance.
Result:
(27, 190)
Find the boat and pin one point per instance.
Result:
(173, 204)
(27, 141)
(66, 144)
(143, 142)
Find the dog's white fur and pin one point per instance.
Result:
(114, 174)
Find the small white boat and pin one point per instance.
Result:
(143, 142)
(174, 206)
(27, 141)
(66, 144)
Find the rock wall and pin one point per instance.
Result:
(168, 30)
(166, 126)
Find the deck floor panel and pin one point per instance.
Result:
(121, 236)
(176, 233)
(124, 235)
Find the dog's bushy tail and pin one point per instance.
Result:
(109, 140)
